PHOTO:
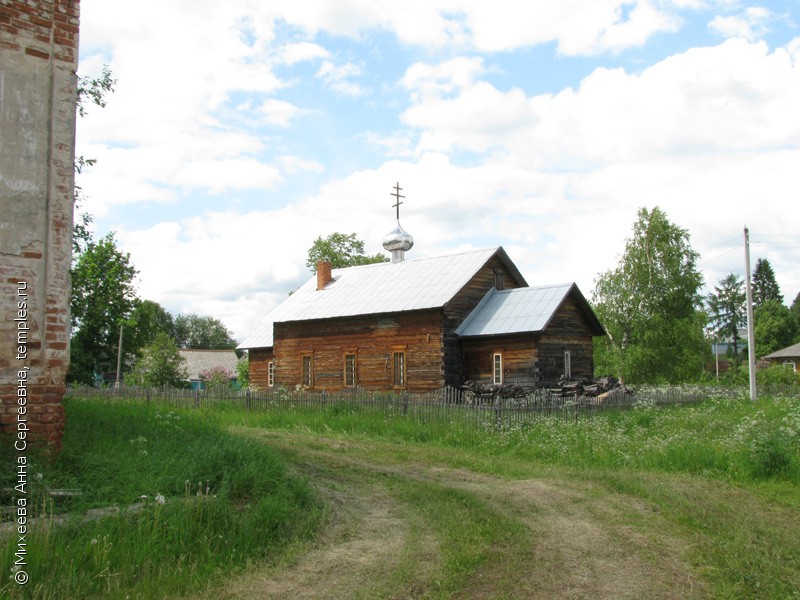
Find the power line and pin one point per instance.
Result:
(704, 263)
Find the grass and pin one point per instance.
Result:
(728, 439)
(210, 503)
(718, 480)
(723, 475)
(471, 534)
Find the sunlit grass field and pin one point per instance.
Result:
(733, 439)
(196, 503)
(200, 498)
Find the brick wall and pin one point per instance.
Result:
(38, 60)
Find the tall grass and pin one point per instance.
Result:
(196, 503)
(734, 439)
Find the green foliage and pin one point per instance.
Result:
(96, 91)
(795, 309)
(159, 364)
(773, 455)
(196, 331)
(243, 372)
(650, 305)
(765, 286)
(778, 375)
(727, 311)
(147, 320)
(773, 375)
(82, 226)
(210, 503)
(103, 296)
(217, 377)
(341, 250)
(774, 328)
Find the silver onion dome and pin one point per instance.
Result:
(398, 241)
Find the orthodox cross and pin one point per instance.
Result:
(397, 196)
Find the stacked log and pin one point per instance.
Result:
(602, 388)
(476, 392)
(593, 388)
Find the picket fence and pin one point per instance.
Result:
(447, 405)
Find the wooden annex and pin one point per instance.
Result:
(418, 325)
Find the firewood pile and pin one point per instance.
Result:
(599, 390)
(594, 388)
(475, 391)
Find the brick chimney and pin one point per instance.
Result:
(324, 275)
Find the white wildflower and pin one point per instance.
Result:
(160, 499)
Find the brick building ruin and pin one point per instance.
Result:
(38, 63)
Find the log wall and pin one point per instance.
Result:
(259, 367)
(373, 339)
(462, 304)
(520, 358)
(567, 331)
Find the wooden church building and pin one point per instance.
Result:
(420, 324)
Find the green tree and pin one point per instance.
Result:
(159, 364)
(243, 372)
(147, 320)
(341, 250)
(103, 296)
(795, 308)
(650, 305)
(195, 331)
(95, 91)
(773, 327)
(765, 286)
(727, 311)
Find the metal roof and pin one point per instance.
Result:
(413, 284)
(518, 310)
(197, 361)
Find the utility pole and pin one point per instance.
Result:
(119, 356)
(751, 344)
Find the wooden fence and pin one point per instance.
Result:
(447, 405)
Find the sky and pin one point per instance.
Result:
(240, 131)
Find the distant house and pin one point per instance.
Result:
(198, 362)
(789, 357)
(418, 325)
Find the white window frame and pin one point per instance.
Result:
(399, 374)
(497, 368)
(792, 364)
(271, 373)
(354, 382)
(307, 375)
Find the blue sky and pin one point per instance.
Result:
(240, 131)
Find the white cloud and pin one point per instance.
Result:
(279, 112)
(578, 27)
(291, 54)
(424, 80)
(294, 164)
(709, 134)
(337, 78)
(733, 96)
(751, 24)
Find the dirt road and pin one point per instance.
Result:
(405, 527)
